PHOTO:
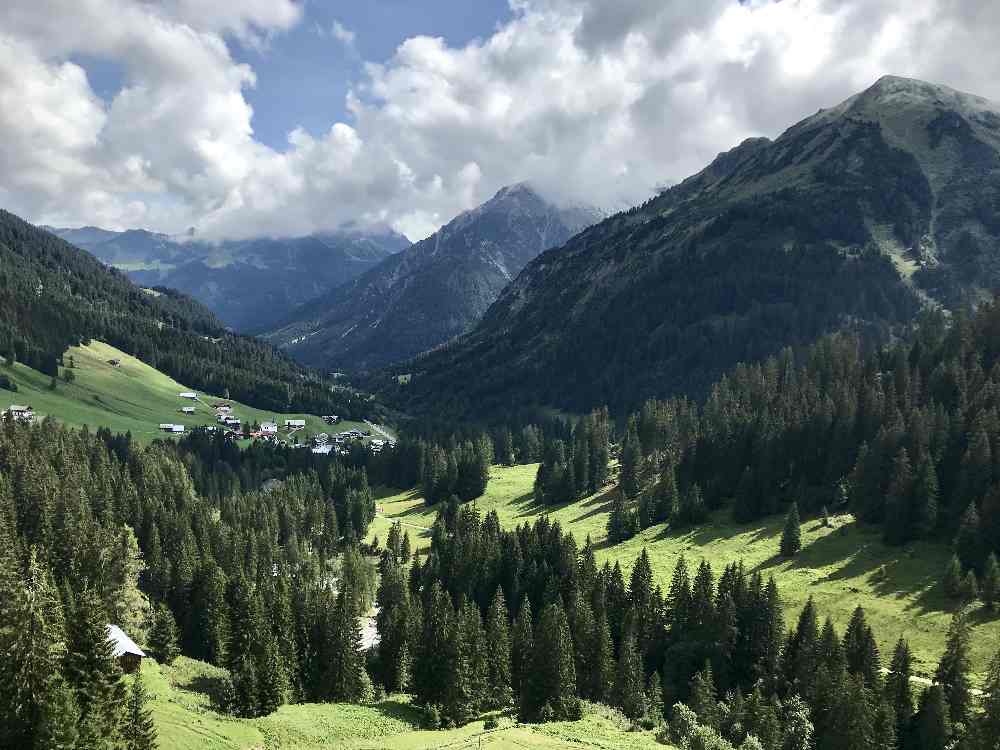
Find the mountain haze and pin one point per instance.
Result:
(250, 284)
(433, 291)
(855, 218)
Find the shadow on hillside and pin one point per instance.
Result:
(399, 710)
(859, 555)
(212, 686)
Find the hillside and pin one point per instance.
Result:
(841, 567)
(132, 397)
(433, 291)
(250, 284)
(854, 219)
(182, 710)
(54, 296)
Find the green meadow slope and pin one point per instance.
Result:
(841, 567)
(185, 720)
(133, 397)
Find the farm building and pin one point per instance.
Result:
(322, 450)
(188, 395)
(331, 419)
(268, 428)
(129, 655)
(175, 428)
(187, 410)
(20, 413)
(292, 423)
(321, 439)
(224, 409)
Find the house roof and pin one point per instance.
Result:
(121, 643)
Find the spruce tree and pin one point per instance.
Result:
(602, 657)
(139, 731)
(522, 647)
(898, 499)
(549, 688)
(969, 590)
(630, 694)
(704, 697)
(791, 537)
(498, 654)
(58, 718)
(953, 578)
(925, 511)
(932, 723)
(991, 582)
(163, 636)
(797, 729)
(654, 698)
(969, 540)
(953, 670)
(898, 686)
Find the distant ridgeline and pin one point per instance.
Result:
(53, 296)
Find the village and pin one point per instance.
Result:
(285, 433)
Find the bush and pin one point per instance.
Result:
(491, 723)
(431, 717)
(7, 384)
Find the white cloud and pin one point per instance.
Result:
(592, 100)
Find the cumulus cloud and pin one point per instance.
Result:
(594, 101)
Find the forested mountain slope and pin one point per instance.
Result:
(433, 291)
(250, 284)
(854, 218)
(54, 295)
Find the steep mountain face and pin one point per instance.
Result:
(856, 217)
(435, 290)
(250, 284)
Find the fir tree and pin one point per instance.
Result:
(58, 718)
(163, 636)
(925, 500)
(654, 698)
(498, 654)
(629, 689)
(797, 730)
(704, 698)
(953, 670)
(139, 731)
(969, 590)
(969, 540)
(549, 688)
(898, 686)
(522, 648)
(932, 723)
(791, 537)
(991, 582)
(953, 578)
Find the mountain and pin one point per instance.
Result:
(433, 291)
(251, 285)
(855, 218)
(54, 295)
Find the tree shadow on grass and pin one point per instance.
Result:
(860, 555)
(212, 686)
(394, 708)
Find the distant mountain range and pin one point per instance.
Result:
(855, 218)
(251, 285)
(433, 291)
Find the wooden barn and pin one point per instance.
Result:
(129, 655)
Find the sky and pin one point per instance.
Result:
(285, 117)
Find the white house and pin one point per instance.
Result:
(321, 439)
(177, 428)
(188, 395)
(187, 410)
(224, 409)
(322, 450)
(166, 427)
(268, 428)
(20, 413)
(293, 423)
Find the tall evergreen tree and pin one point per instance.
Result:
(498, 654)
(932, 723)
(139, 730)
(954, 668)
(791, 536)
(549, 689)
(898, 687)
(163, 636)
(991, 582)
(630, 693)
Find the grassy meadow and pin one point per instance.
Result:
(133, 397)
(185, 719)
(841, 567)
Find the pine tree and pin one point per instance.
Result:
(522, 647)
(969, 540)
(791, 537)
(163, 636)
(797, 730)
(498, 654)
(991, 582)
(549, 688)
(93, 670)
(58, 718)
(925, 511)
(602, 657)
(954, 668)
(932, 723)
(953, 578)
(654, 698)
(898, 686)
(969, 590)
(139, 731)
(631, 457)
(704, 698)
(630, 694)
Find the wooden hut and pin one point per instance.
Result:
(129, 655)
